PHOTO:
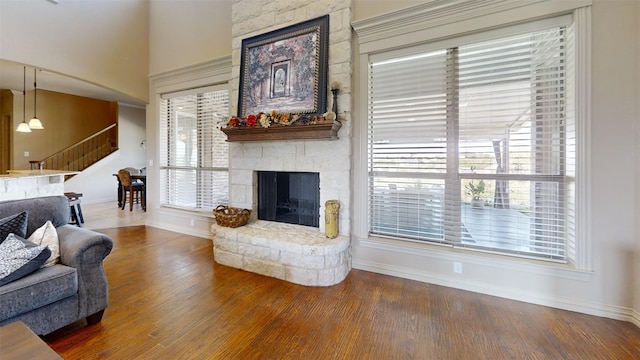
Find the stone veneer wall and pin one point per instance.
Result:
(16, 187)
(330, 158)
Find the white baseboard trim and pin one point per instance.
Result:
(590, 308)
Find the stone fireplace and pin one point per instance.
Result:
(329, 159)
(296, 253)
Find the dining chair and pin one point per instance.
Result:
(134, 171)
(134, 190)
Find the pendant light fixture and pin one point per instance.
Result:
(35, 123)
(24, 127)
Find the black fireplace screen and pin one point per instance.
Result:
(289, 197)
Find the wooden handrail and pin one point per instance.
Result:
(82, 154)
(83, 141)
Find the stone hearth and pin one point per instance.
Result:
(299, 254)
(295, 253)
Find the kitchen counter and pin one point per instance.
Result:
(24, 184)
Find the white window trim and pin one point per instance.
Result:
(203, 75)
(171, 165)
(212, 72)
(436, 20)
(582, 21)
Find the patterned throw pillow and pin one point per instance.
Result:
(17, 259)
(47, 235)
(16, 224)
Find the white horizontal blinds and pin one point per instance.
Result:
(548, 218)
(164, 129)
(194, 164)
(512, 137)
(213, 174)
(571, 142)
(407, 145)
(177, 171)
(168, 133)
(506, 130)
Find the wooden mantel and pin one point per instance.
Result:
(278, 132)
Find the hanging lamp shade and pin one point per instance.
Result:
(35, 123)
(23, 126)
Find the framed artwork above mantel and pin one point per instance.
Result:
(285, 70)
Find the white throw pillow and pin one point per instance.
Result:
(47, 235)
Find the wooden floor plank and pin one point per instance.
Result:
(168, 299)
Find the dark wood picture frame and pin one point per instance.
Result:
(299, 55)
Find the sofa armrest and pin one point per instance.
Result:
(79, 246)
(85, 250)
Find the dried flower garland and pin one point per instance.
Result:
(266, 120)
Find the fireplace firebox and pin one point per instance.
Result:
(289, 197)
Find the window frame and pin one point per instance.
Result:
(213, 72)
(202, 128)
(426, 25)
(450, 214)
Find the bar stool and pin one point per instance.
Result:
(76, 211)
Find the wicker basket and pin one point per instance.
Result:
(231, 217)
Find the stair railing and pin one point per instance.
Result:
(82, 154)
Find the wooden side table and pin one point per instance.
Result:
(17, 341)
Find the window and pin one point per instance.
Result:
(472, 141)
(194, 160)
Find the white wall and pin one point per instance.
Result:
(615, 79)
(188, 32)
(364, 9)
(636, 270)
(100, 41)
(609, 286)
(188, 39)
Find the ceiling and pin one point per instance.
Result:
(11, 77)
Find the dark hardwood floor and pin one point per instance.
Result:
(169, 300)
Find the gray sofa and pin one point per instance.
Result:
(75, 288)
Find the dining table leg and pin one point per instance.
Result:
(144, 194)
(119, 194)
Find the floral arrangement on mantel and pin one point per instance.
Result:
(277, 125)
(276, 118)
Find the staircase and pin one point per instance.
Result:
(83, 154)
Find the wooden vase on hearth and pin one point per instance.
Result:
(331, 211)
